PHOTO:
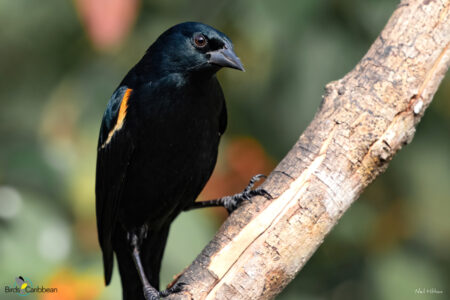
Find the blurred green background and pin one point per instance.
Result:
(61, 60)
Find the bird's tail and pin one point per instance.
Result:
(151, 253)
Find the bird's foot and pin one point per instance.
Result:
(150, 293)
(233, 202)
(176, 288)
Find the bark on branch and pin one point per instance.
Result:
(363, 120)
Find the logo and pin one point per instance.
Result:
(24, 286)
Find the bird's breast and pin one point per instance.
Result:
(175, 155)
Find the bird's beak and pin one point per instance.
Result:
(225, 57)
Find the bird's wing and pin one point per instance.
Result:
(115, 148)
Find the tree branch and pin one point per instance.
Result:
(364, 119)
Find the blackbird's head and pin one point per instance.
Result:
(193, 48)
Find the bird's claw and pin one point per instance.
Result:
(176, 288)
(233, 202)
(151, 293)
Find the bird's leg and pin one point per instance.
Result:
(150, 293)
(232, 202)
(135, 239)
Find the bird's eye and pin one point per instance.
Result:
(200, 40)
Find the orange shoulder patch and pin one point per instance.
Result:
(123, 108)
(121, 117)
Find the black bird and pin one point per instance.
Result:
(157, 148)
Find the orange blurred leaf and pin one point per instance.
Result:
(73, 286)
(107, 22)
